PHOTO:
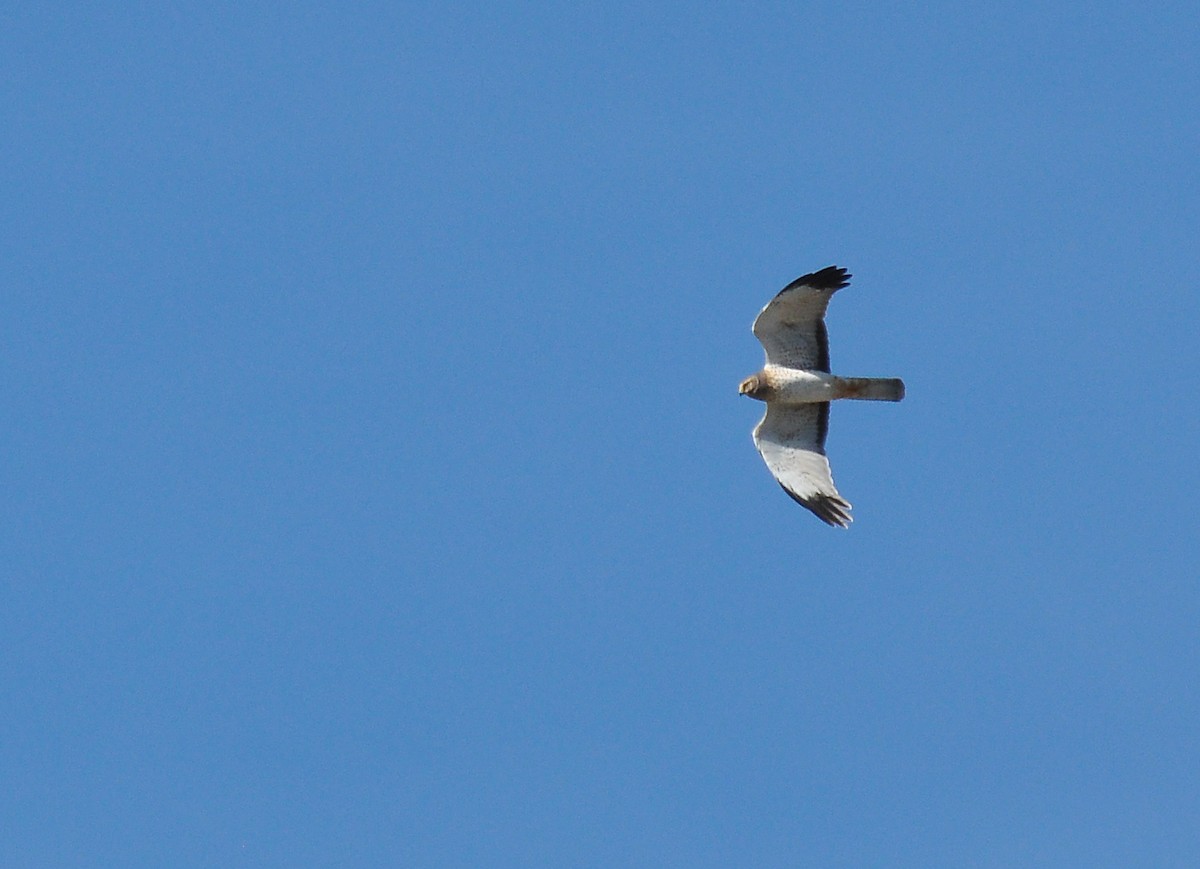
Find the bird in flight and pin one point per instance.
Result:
(797, 387)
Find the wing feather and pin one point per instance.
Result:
(791, 440)
(791, 327)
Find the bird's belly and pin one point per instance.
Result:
(793, 386)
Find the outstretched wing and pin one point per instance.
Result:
(791, 440)
(792, 325)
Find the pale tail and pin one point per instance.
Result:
(871, 388)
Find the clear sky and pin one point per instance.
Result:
(376, 489)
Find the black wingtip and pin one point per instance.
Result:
(828, 278)
(830, 509)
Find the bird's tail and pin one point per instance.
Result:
(871, 388)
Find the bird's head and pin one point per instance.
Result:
(751, 386)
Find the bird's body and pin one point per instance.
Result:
(784, 385)
(797, 386)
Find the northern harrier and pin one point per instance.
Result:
(797, 387)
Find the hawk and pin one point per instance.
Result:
(797, 387)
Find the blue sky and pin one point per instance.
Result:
(377, 490)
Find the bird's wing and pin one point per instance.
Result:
(792, 325)
(791, 439)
